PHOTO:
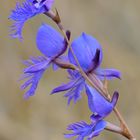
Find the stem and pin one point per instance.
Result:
(124, 130)
(113, 128)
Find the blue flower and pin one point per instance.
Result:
(85, 48)
(101, 108)
(89, 54)
(82, 129)
(25, 11)
(98, 104)
(52, 45)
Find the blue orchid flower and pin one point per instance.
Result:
(100, 108)
(89, 54)
(25, 11)
(52, 45)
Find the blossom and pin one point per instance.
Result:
(98, 104)
(89, 54)
(100, 108)
(25, 11)
(52, 45)
(82, 129)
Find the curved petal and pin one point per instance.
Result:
(96, 61)
(63, 87)
(115, 99)
(98, 104)
(49, 41)
(108, 73)
(84, 48)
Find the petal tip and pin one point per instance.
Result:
(115, 98)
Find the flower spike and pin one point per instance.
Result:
(89, 54)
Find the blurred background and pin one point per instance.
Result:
(115, 23)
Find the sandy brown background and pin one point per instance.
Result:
(115, 23)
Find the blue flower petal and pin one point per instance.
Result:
(37, 67)
(55, 67)
(99, 127)
(83, 130)
(35, 80)
(108, 73)
(34, 71)
(49, 41)
(64, 87)
(98, 104)
(73, 88)
(75, 93)
(21, 14)
(84, 48)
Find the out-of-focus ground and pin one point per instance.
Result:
(115, 23)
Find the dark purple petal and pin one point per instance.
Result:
(95, 62)
(84, 48)
(46, 3)
(98, 104)
(115, 99)
(49, 41)
(108, 73)
(95, 117)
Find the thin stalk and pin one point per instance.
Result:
(125, 129)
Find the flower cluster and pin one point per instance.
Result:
(85, 50)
